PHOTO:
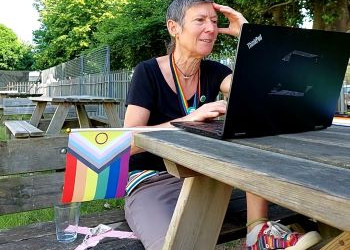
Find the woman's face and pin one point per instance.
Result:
(199, 30)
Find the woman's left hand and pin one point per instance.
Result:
(235, 18)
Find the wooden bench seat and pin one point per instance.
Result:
(43, 236)
(23, 129)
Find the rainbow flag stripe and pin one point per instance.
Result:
(97, 165)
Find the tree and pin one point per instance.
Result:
(14, 55)
(136, 32)
(330, 14)
(67, 28)
(326, 14)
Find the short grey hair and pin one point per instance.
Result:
(177, 11)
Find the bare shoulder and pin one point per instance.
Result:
(162, 61)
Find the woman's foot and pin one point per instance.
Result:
(273, 235)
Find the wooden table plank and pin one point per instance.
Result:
(326, 146)
(31, 192)
(79, 99)
(305, 186)
(20, 156)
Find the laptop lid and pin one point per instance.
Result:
(285, 80)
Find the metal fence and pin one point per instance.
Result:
(25, 87)
(7, 76)
(115, 85)
(96, 61)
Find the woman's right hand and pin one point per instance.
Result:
(235, 18)
(207, 111)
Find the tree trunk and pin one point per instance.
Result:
(341, 23)
(318, 12)
(277, 15)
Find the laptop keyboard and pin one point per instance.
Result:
(212, 129)
(210, 126)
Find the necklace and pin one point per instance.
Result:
(183, 74)
(180, 93)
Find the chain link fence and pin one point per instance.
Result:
(96, 61)
(7, 76)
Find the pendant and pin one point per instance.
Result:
(202, 99)
(190, 110)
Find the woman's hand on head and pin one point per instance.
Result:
(207, 111)
(235, 18)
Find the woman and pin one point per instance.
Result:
(182, 86)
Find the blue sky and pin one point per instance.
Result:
(20, 16)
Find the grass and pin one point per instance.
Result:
(232, 245)
(2, 133)
(41, 215)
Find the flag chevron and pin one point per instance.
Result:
(92, 165)
(97, 156)
(82, 143)
(98, 160)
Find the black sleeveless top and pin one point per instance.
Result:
(149, 90)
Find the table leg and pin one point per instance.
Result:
(198, 215)
(1, 115)
(342, 242)
(112, 114)
(83, 117)
(58, 118)
(38, 113)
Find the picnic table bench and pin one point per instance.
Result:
(15, 94)
(63, 108)
(79, 102)
(31, 173)
(12, 94)
(306, 172)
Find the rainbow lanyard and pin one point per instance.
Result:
(182, 99)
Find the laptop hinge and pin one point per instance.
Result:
(319, 127)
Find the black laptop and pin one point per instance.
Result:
(285, 80)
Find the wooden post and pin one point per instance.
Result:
(38, 113)
(199, 213)
(58, 119)
(84, 121)
(112, 114)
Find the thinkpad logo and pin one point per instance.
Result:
(254, 42)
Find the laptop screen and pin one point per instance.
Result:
(285, 79)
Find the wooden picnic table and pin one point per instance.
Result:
(15, 94)
(65, 102)
(306, 172)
